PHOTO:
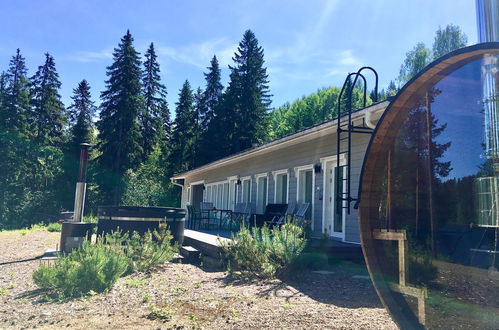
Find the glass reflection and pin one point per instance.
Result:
(438, 217)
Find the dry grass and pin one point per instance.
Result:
(186, 297)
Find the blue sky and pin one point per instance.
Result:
(308, 44)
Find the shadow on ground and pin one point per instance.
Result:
(334, 285)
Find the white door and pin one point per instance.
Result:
(334, 213)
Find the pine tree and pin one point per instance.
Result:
(155, 117)
(81, 112)
(48, 111)
(209, 141)
(3, 100)
(198, 107)
(212, 94)
(183, 133)
(17, 95)
(119, 132)
(247, 99)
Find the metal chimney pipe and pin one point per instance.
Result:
(487, 12)
(81, 185)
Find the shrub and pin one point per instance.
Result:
(54, 227)
(96, 267)
(263, 252)
(144, 252)
(90, 268)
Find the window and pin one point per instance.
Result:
(305, 186)
(225, 203)
(232, 193)
(208, 193)
(218, 194)
(261, 198)
(246, 198)
(281, 187)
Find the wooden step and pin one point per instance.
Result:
(190, 253)
(177, 259)
(208, 244)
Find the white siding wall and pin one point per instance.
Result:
(287, 158)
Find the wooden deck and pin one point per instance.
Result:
(208, 242)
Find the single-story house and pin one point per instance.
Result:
(298, 168)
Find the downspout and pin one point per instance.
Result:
(172, 180)
(369, 121)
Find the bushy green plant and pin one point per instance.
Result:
(54, 227)
(96, 267)
(264, 252)
(147, 251)
(91, 268)
(90, 219)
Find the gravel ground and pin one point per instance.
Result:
(181, 296)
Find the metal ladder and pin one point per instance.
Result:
(345, 130)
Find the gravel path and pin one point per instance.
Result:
(180, 296)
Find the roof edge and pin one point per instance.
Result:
(287, 138)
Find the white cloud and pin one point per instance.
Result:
(200, 54)
(346, 58)
(92, 56)
(309, 43)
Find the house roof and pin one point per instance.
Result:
(293, 138)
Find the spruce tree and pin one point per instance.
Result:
(212, 94)
(3, 100)
(209, 141)
(198, 107)
(49, 114)
(17, 95)
(247, 94)
(119, 131)
(155, 117)
(182, 140)
(81, 112)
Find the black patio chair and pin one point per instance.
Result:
(240, 215)
(279, 220)
(206, 211)
(300, 213)
(193, 217)
(271, 211)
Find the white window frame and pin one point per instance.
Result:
(275, 174)
(243, 197)
(297, 170)
(232, 203)
(266, 197)
(324, 161)
(214, 189)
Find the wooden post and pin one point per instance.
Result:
(402, 244)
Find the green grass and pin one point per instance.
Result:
(54, 227)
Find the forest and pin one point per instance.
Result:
(137, 145)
